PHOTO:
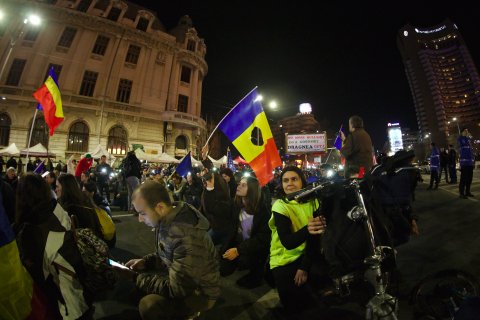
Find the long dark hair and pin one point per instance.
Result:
(253, 197)
(295, 169)
(34, 199)
(71, 192)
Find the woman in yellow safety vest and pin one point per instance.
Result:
(292, 223)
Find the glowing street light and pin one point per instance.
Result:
(458, 126)
(273, 105)
(33, 20)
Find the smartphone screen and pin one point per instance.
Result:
(45, 174)
(116, 264)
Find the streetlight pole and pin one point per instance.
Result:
(458, 126)
(15, 35)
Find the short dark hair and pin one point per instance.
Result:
(153, 193)
(281, 192)
(356, 122)
(432, 144)
(228, 172)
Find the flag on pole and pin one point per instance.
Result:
(16, 287)
(338, 144)
(230, 164)
(239, 124)
(50, 100)
(185, 166)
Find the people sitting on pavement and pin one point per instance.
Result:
(186, 280)
(249, 243)
(49, 252)
(75, 202)
(292, 224)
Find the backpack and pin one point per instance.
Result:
(99, 274)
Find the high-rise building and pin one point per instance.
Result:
(126, 80)
(443, 80)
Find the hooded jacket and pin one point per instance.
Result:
(185, 257)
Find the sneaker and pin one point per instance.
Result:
(470, 195)
(462, 196)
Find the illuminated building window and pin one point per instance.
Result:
(117, 141)
(78, 137)
(5, 123)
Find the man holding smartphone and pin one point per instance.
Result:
(185, 277)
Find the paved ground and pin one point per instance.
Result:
(449, 239)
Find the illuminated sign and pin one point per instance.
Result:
(395, 138)
(305, 143)
(431, 31)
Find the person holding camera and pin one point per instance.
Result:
(215, 203)
(102, 171)
(292, 224)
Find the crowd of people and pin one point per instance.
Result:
(207, 224)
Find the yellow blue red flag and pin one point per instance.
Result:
(239, 124)
(50, 99)
(16, 285)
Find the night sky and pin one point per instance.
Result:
(342, 58)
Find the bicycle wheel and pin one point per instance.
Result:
(439, 295)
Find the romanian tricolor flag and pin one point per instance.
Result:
(239, 124)
(16, 286)
(50, 99)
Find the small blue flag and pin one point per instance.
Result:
(185, 166)
(230, 164)
(39, 168)
(338, 144)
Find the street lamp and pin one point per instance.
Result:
(458, 126)
(33, 20)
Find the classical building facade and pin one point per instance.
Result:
(125, 80)
(443, 79)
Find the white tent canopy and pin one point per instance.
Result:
(195, 162)
(166, 158)
(141, 155)
(101, 151)
(11, 150)
(219, 162)
(38, 150)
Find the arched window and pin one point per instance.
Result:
(5, 123)
(40, 133)
(117, 141)
(181, 142)
(78, 137)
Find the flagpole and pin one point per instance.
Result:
(211, 134)
(30, 137)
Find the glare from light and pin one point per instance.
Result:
(330, 173)
(246, 174)
(189, 173)
(259, 98)
(340, 167)
(305, 108)
(2, 15)
(104, 170)
(454, 119)
(34, 20)
(273, 105)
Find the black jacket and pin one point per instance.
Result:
(259, 241)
